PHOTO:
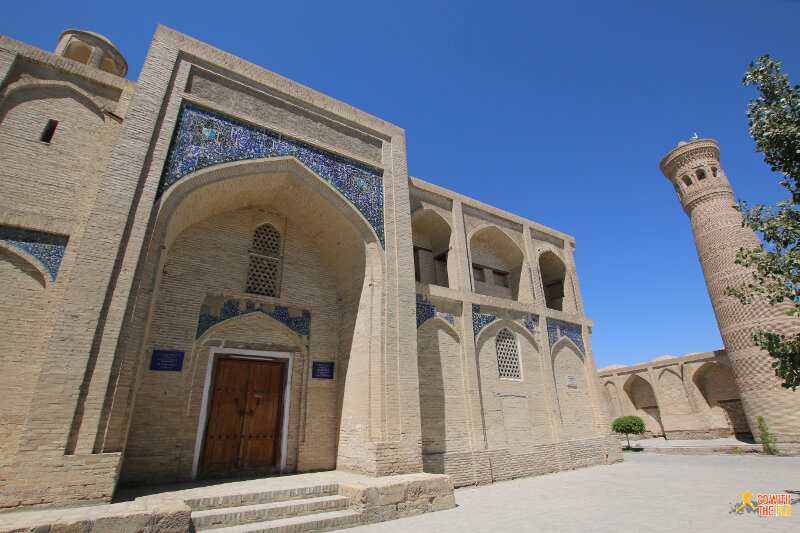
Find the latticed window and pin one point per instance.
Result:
(507, 355)
(267, 239)
(263, 276)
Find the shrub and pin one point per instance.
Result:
(767, 439)
(628, 425)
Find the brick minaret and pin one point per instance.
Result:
(707, 198)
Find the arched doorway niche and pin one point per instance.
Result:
(641, 395)
(199, 253)
(718, 388)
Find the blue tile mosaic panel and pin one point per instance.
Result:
(204, 138)
(558, 328)
(427, 310)
(532, 324)
(47, 248)
(480, 320)
(298, 320)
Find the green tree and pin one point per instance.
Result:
(774, 119)
(628, 424)
(767, 439)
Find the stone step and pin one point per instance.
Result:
(257, 497)
(297, 524)
(245, 514)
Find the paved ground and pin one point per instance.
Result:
(648, 492)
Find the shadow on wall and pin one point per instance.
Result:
(431, 400)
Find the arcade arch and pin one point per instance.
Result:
(553, 273)
(718, 388)
(431, 235)
(496, 263)
(641, 395)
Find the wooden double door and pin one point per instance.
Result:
(244, 421)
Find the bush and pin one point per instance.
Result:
(767, 439)
(628, 425)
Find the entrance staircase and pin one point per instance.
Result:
(288, 510)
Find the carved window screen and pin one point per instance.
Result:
(264, 272)
(507, 355)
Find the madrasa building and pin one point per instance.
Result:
(217, 272)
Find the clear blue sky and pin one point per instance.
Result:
(557, 111)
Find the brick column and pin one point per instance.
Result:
(707, 198)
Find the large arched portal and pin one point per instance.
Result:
(718, 388)
(262, 291)
(641, 395)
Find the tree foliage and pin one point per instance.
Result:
(628, 425)
(774, 119)
(767, 439)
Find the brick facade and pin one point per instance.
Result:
(419, 330)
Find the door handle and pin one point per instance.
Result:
(251, 413)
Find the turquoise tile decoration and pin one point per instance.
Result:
(204, 138)
(480, 320)
(220, 309)
(426, 310)
(558, 328)
(47, 248)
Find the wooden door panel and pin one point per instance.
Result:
(261, 427)
(223, 436)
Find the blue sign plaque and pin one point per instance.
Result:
(166, 360)
(322, 369)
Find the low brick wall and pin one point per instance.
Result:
(140, 516)
(475, 468)
(63, 480)
(399, 496)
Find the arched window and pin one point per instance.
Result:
(700, 173)
(554, 275)
(714, 172)
(507, 355)
(687, 180)
(79, 51)
(496, 263)
(264, 273)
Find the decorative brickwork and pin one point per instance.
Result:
(707, 198)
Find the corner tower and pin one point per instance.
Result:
(92, 49)
(707, 198)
